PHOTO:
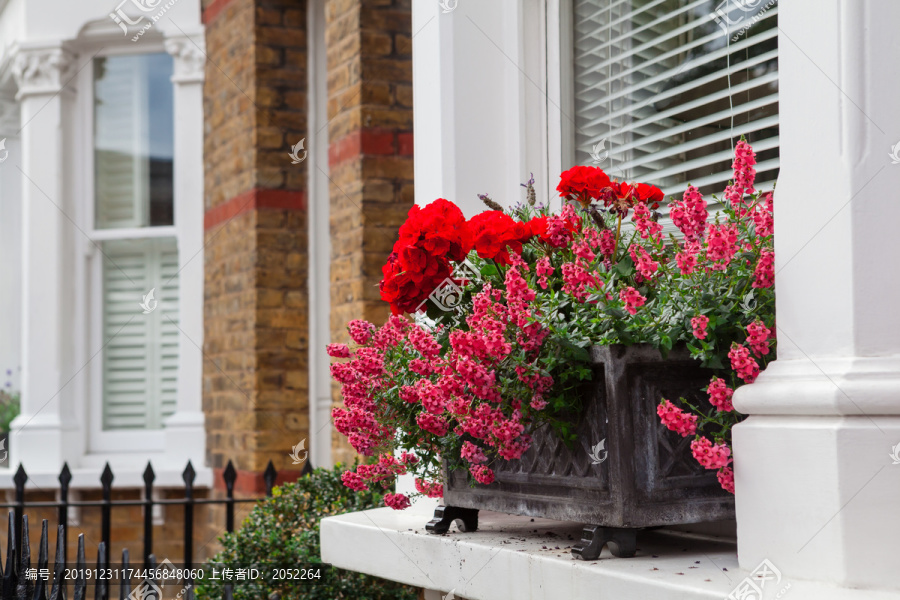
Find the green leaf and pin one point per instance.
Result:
(625, 267)
(489, 270)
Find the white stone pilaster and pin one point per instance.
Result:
(816, 487)
(45, 92)
(185, 432)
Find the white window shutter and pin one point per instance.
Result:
(141, 353)
(652, 80)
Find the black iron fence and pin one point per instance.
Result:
(20, 581)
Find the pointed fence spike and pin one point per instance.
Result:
(80, 562)
(106, 478)
(230, 476)
(149, 475)
(269, 476)
(58, 591)
(21, 476)
(307, 468)
(40, 589)
(100, 585)
(25, 588)
(10, 579)
(125, 586)
(65, 476)
(189, 475)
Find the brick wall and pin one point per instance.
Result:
(256, 307)
(369, 56)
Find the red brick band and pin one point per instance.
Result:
(369, 141)
(213, 10)
(254, 199)
(252, 483)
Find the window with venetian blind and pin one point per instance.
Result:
(668, 92)
(134, 225)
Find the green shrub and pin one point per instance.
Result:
(9, 408)
(284, 530)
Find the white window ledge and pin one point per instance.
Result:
(511, 558)
(88, 478)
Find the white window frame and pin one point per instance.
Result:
(100, 440)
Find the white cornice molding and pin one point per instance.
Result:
(189, 53)
(43, 69)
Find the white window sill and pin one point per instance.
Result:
(126, 474)
(514, 558)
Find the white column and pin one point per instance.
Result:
(10, 243)
(185, 432)
(45, 94)
(816, 488)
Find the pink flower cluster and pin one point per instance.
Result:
(676, 419)
(741, 361)
(721, 245)
(482, 474)
(699, 324)
(543, 269)
(720, 395)
(645, 265)
(764, 276)
(431, 489)
(578, 280)
(338, 350)
(632, 299)
(758, 337)
(644, 223)
(763, 216)
(726, 479)
(711, 456)
(744, 176)
(687, 258)
(689, 214)
(396, 501)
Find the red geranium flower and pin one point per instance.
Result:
(439, 228)
(585, 184)
(639, 192)
(430, 238)
(538, 226)
(494, 232)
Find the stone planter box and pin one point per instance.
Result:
(647, 476)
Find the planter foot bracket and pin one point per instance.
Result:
(622, 542)
(466, 519)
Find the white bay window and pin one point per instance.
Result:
(135, 263)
